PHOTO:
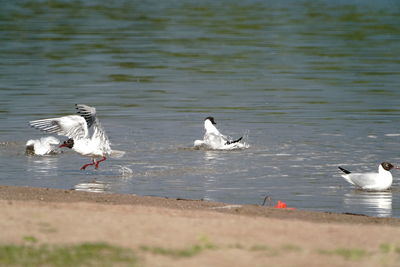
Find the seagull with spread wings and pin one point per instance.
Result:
(76, 128)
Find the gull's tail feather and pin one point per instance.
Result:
(234, 141)
(344, 170)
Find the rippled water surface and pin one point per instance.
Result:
(313, 85)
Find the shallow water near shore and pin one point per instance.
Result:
(312, 84)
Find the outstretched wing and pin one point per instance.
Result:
(99, 135)
(88, 113)
(73, 126)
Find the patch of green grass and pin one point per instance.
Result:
(269, 251)
(86, 254)
(291, 248)
(181, 253)
(176, 253)
(265, 249)
(45, 227)
(386, 248)
(236, 246)
(259, 248)
(389, 248)
(30, 239)
(348, 254)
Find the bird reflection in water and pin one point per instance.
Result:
(45, 166)
(93, 186)
(210, 184)
(374, 203)
(211, 155)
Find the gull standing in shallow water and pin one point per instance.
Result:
(213, 139)
(373, 181)
(76, 128)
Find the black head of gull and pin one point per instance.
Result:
(211, 119)
(387, 166)
(69, 143)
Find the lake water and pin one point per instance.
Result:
(312, 84)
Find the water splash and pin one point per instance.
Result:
(124, 171)
(94, 187)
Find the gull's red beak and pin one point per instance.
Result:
(62, 145)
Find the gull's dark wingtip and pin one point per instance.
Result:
(344, 170)
(234, 141)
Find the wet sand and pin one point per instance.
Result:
(221, 234)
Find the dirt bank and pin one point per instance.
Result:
(170, 232)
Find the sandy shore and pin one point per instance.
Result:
(218, 234)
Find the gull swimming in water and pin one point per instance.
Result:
(213, 139)
(43, 146)
(374, 181)
(76, 128)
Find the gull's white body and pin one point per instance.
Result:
(43, 146)
(371, 181)
(91, 147)
(213, 139)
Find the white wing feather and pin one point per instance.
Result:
(361, 179)
(73, 126)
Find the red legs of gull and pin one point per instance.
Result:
(94, 162)
(89, 164)
(97, 162)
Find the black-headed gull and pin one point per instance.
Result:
(374, 181)
(76, 127)
(43, 146)
(215, 140)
